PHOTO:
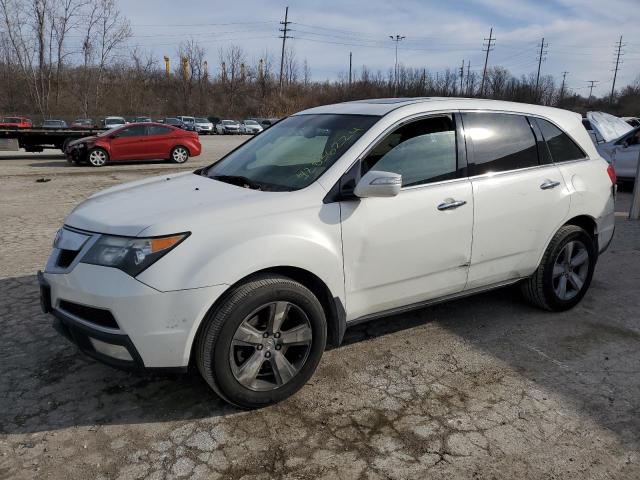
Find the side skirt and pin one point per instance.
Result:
(433, 301)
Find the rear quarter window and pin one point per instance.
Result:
(561, 147)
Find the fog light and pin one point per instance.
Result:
(111, 350)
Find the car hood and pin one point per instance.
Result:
(169, 204)
(89, 139)
(609, 127)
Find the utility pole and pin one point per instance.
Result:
(461, 76)
(564, 78)
(490, 42)
(592, 82)
(397, 39)
(284, 39)
(619, 46)
(541, 57)
(350, 63)
(468, 76)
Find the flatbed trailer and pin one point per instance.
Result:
(37, 139)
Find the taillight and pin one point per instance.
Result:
(612, 174)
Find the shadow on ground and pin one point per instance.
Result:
(590, 355)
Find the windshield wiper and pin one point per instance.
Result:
(238, 180)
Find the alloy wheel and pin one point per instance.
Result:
(97, 158)
(570, 270)
(180, 155)
(270, 346)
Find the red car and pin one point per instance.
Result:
(135, 141)
(15, 122)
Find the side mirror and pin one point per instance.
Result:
(378, 184)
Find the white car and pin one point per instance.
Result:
(228, 127)
(113, 122)
(335, 215)
(203, 126)
(251, 127)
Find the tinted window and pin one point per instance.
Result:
(134, 131)
(423, 151)
(159, 130)
(561, 147)
(499, 142)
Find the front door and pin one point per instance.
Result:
(416, 246)
(129, 143)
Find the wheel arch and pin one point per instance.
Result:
(332, 305)
(586, 222)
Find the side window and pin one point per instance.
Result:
(500, 142)
(159, 130)
(423, 151)
(561, 147)
(134, 131)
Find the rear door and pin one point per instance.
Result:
(417, 245)
(159, 141)
(520, 198)
(130, 144)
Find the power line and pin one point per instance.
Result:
(615, 71)
(488, 46)
(284, 37)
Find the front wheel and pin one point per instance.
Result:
(97, 157)
(565, 272)
(179, 154)
(263, 342)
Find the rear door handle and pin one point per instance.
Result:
(549, 184)
(451, 204)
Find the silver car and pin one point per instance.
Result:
(617, 142)
(228, 127)
(204, 126)
(251, 127)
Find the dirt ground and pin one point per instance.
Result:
(481, 388)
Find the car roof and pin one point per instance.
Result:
(383, 106)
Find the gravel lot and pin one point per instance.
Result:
(482, 388)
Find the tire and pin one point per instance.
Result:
(225, 361)
(179, 154)
(97, 157)
(544, 288)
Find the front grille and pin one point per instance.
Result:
(101, 317)
(66, 257)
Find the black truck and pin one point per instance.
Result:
(37, 139)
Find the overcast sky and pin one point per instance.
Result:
(439, 34)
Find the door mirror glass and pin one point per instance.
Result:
(375, 183)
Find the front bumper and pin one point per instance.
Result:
(156, 328)
(76, 153)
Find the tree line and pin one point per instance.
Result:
(71, 58)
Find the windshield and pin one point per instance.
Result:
(113, 121)
(292, 154)
(250, 122)
(110, 131)
(202, 120)
(228, 122)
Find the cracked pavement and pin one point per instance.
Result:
(483, 388)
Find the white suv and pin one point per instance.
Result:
(333, 216)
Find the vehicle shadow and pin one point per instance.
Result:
(589, 356)
(63, 163)
(32, 157)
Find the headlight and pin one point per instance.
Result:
(131, 254)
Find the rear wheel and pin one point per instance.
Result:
(179, 154)
(263, 342)
(97, 157)
(565, 272)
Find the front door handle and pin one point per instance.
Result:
(549, 184)
(451, 204)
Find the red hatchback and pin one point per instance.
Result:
(135, 141)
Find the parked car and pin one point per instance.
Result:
(15, 122)
(251, 127)
(336, 215)
(187, 120)
(112, 122)
(83, 123)
(176, 122)
(143, 120)
(204, 126)
(54, 124)
(136, 141)
(617, 142)
(228, 127)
